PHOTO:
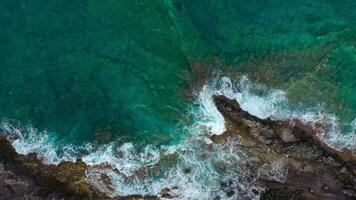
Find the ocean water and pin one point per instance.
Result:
(111, 82)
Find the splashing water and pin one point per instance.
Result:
(195, 168)
(274, 104)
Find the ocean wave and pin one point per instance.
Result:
(195, 168)
(27, 139)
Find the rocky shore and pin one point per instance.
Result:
(67, 178)
(304, 166)
(15, 185)
(291, 162)
(32, 179)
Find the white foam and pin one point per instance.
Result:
(203, 181)
(260, 106)
(26, 139)
(209, 116)
(123, 158)
(205, 175)
(153, 169)
(274, 103)
(244, 92)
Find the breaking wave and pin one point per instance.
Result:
(264, 103)
(195, 168)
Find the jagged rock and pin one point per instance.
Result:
(68, 178)
(297, 164)
(17, 184)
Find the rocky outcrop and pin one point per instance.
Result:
(64, 181)
(67, 177)
(294, 161)
(18, 186)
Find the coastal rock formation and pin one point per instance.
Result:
(64, 181)
(67, 177)
(305, 166)
(16, 184)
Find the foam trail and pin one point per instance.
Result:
(129, 160)
(26, 139)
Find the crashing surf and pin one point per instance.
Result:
(195, 168)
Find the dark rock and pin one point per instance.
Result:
(217, 198)
(230, 193)
(282, 193)
(223, 185)
(16, 185)
(297, 164)
(187, 171)
(165, 193)
(67, 178)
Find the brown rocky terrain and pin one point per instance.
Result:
(312, 169)
(67, 178)
(30, 178)
(15, 185)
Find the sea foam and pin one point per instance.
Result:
(195, 168)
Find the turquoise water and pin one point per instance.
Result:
(81, 69)
(88, 71)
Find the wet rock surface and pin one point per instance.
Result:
(29, 178)
(15, 185)
(67, 178)
(294, 162)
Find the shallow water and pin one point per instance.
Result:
(111, 81)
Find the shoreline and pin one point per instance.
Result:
(306, 167)
(314, 170)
